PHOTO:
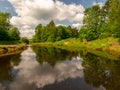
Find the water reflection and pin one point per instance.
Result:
(99, 71)
(52, 55)
(49, 68)
(6, 65)
(33, 75)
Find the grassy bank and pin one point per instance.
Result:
(108, 44)
(108, 47)
(6, 49)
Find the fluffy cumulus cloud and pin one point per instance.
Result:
(32, 12)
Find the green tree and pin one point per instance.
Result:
(105, 10)
(61, 33)
(52, 31)
(74, 32)
(14, 34)
(24, 40)
(68, 32)
(105, 28)
(4, 21)
(91, 23)
(114, 18)
(38, 31)
(4, 35)
(4, 26)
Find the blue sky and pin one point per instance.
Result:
(5, 5)
(85, 3)
(26, 14)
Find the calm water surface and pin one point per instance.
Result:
(49, 68)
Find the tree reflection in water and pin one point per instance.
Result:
(99, 71)
(52, 55)
(49, 68)
(6, 65)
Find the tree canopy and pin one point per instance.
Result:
(114, 17)
(7, 31)
(52, 33)
(14, 34)
(101, 22)
(4, 26)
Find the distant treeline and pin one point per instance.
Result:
(52, 33)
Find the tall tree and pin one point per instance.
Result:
(4, 21)
(52, 31)
(14, 33)
(114, 17)
(38, 32)
(105, 10)
(4, 26)
(105, 28)
(91, 23)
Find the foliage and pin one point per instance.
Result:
(6, 67)
(37, 37)
(4, 35)
(101, 22)
(114, 17)
(52, 33)
(24, 40)
(51, 54)
(7, 31)
(99, 70)
(91, 23)
(4, 21)
(14, 34)
(4, 26)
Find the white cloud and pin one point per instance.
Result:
(33, 12)
(77, 25)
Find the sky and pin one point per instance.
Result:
(27, 14)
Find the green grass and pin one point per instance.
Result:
(107, 44)
(69, 42)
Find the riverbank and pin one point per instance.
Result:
(108, 44)
(6, 49)
(108, 47)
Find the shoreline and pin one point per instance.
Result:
(8, 49)
(108, 44)
(108, 47)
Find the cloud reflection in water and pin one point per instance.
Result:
(33, 75)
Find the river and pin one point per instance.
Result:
(49, 68)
